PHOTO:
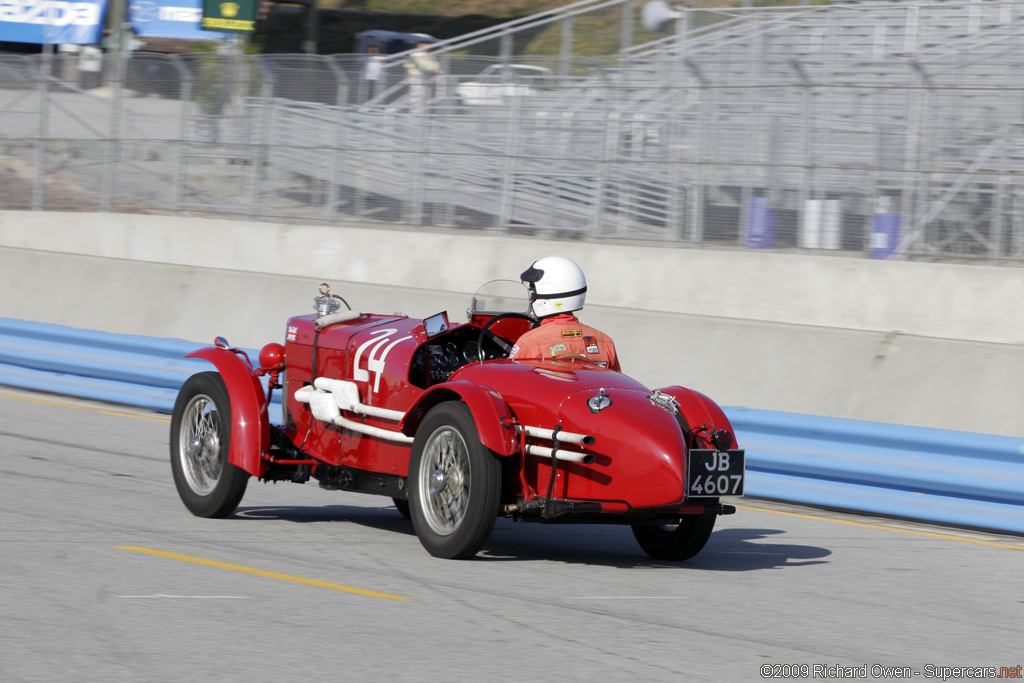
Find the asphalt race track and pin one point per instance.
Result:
(107, 578)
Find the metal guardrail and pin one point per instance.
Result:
(947, 477)
(142, 372)
(961, 478)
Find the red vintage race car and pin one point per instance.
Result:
(434, 415)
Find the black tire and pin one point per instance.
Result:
(402, 506)
(455, 483)
(207, 483)
(675, 542)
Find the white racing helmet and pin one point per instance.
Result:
(557, 285)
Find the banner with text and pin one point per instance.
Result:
(52, 21)
(169, 19)
(232, 16)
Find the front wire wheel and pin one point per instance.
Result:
(207, 483)
(675, 542)
(456, 483)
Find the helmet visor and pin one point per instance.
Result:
(532, 274)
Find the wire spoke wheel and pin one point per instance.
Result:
(455, 483)
(446, 480)
(199, 444)
(208, 484)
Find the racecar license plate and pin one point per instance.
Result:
(711, 473)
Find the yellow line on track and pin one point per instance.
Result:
(79, 406)
(915, 532)
(260, 572)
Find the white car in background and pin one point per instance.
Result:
(499, 83)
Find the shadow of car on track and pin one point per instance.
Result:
(727, 549)
(740, 550)
(383, 518)
(731, 549)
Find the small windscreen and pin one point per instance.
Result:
(501, 296)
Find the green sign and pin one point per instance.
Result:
(229, 16)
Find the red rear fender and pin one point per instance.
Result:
(250, 427)
(490, 413)
(698, 409)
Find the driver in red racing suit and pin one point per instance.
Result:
(557, 288)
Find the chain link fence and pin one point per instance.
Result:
(888, 130)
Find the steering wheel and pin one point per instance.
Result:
(486, 330)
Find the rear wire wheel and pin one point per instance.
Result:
(675, 542)
(455, 491)
(207, 483)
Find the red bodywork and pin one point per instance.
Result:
(640, 440)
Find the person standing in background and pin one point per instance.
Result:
(422, 67)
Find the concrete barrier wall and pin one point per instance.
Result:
(932, 345)
(949, 301)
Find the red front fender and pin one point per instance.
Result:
(490, 413)
(250, 426)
